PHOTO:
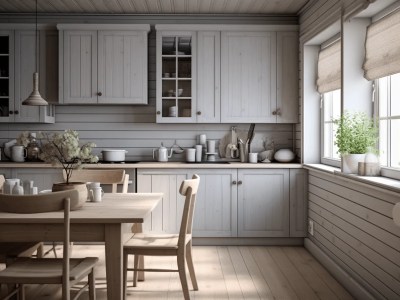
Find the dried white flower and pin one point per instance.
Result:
(63, 149)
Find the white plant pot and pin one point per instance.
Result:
(350, 163)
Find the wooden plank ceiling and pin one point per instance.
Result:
(286, 7)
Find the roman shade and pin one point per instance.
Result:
(382, 47)
(329, 68)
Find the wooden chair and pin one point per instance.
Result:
(10, 251)
(113, 177)
(179, 245)
(66, 271)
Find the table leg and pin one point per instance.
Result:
(113, 247)
(138, 228)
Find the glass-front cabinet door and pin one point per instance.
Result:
(6, 76)
(175, 77)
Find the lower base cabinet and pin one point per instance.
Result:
(231, 202)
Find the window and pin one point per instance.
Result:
(330, 111)
(388, 112)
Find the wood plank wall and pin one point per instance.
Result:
(133, 127)
(353, 225)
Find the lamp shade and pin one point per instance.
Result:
(35, 99)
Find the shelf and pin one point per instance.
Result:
(4, 97)
(4, 77)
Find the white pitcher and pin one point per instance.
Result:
(161, 154)
(18, 153)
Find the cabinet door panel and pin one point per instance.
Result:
(167, 215)
(122, 67)
(80, 67)
(208, 79)
(216, 206)
(287, 77)
(7, 76)
(263, 203)
(248, 77)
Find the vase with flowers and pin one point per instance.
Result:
(63, 149)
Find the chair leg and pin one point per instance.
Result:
(40, 251)
(189, 261)
(125, 270)
(182, 276)
(21, 292)
(92, 285)
(135, 266)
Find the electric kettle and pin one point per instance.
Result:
(161, 154)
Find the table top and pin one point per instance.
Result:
(114, 208)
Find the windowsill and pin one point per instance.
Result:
(377, 181)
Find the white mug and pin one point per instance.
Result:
(190, 155)
(253, 158)
(211, 146)
(96, 194)
(18, 153)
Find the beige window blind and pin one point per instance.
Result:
(382, 47)
(329, 68)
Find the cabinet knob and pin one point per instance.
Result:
(234, 182)
(278, 111)
(11, 112)
(240, 182)
(16, 112)
(274, 112)
(99, 94)
(199, 113)
(158, 112)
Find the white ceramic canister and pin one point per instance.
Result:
(17, 189)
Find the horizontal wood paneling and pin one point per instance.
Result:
(354, 227)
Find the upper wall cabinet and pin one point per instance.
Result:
(103, 64)
(17, 65)
(239, 74)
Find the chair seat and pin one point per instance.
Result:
(155, 241)
(45, 270)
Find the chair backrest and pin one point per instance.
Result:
(113, 177)
(188, 189)
(49, 202)
(2, 180)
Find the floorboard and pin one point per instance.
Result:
(223, 272)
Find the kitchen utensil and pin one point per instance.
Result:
(161, 154)
(18, 153)
(250, 135)
(231, 148)
(113, 155)
(243, 151)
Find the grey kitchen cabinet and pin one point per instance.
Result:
(176, 76)
(248, 81)
(208, 77)
(216, 206)
(18, 66)
(298, 202)
(103, 64)
(259, 76)
(168, 213)
(263, 203)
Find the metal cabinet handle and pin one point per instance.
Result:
(199, 113)
(158, 112)
(234, 182)
(99, 94)
(16, 112)
(240, 182)
(11, 112)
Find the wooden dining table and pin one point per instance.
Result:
(108, 221)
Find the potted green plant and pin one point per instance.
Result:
(64, 149)
(356, 134)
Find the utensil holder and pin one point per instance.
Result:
(244, 152)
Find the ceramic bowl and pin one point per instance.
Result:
(284, 155)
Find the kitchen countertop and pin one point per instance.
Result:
(160, 165)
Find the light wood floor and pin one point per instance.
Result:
(223, 273)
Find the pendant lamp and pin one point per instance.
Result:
(35, 99)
